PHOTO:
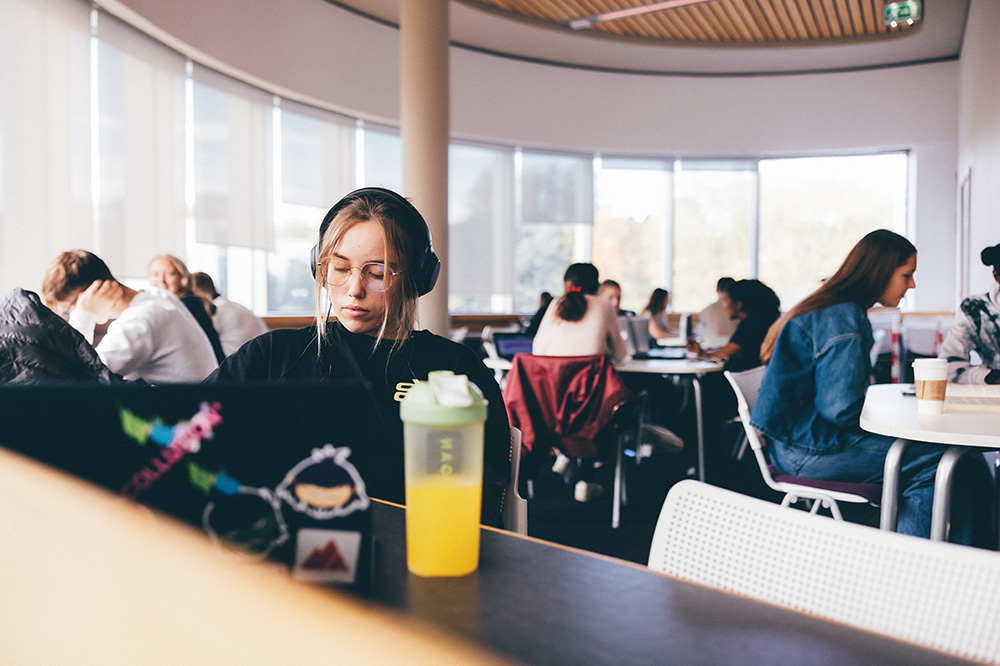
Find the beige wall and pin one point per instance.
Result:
(979, 133)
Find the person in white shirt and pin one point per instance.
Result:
(151, 336)
(579, 323)
(235, 324)
(715, 325)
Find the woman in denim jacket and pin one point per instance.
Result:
(810, 401)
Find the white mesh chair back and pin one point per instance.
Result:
(515, 507)
(934, 594)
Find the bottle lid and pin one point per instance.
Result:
(444, 399)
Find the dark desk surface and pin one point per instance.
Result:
(544, 604)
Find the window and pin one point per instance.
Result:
(480, 234)
(316, 169)
(555, 225)
(632, 226)
(714, 216)
(813, 211)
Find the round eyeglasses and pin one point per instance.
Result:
(373, 274)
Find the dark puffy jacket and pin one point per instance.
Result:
(37, 345)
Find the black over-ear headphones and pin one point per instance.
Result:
(425, 264)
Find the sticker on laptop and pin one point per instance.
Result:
(325, 485)
(326, 556)
(248, 520)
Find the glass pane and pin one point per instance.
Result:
(480, 226)
(631, 231)
(813, 211)
(383, 159)
(713, 216)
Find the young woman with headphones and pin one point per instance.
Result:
(373, 260)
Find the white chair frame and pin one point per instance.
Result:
(746, 385)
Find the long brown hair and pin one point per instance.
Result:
(580, 279)
(862, 279)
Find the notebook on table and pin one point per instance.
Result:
(972, 398)
(275, 471)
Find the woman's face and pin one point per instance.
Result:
(358, 308)
(162, 274)
(899, 284)
(733, 308)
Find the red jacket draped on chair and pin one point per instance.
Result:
(562, 401)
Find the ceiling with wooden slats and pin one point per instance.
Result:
(716, 21)
(703, 38)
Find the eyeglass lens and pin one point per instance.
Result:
(372, 274)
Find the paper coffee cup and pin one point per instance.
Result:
(930, 379)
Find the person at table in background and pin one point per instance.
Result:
(656, 310)
(754, 306)
(579, 323)
(543, 303)
(234, 323)
(715, 325)
(152, 336)
(374, 259)
(168, 272)
(810, 401)
(612, 291)
(976, 327)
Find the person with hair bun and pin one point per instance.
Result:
(579, 323)
(976, 327)
(810, 400)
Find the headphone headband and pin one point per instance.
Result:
(425, 263)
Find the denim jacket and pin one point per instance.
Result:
(815, 383)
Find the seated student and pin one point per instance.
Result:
(755, 307)
(612, 291)
(373, 260)
(36, 345)
(168, 272)
(543, 304)
(715, 325)
(656, 310)
(976, 327)
(580, 323)
(153, 336)
(809, 404)
(234, 323)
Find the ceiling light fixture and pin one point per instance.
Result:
(585, 22)
(906, 12)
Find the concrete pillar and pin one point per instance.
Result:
(425, 125)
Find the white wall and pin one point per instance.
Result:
(979, 133)
(326, 55)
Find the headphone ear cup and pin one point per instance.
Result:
(430, 268)
(314, 258)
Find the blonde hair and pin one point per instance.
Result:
(179, 266)
(400, 316)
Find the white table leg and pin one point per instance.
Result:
(890, 485)
(700, 425)
(941, 512)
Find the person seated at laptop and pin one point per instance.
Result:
(168, 272)
(543, 304)
(656, 310)
(715, 325)
(235, 323)
(152, 336)
(976, 327)
(580, 323)
(612, 291)
(374, 259)
(755, 307)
